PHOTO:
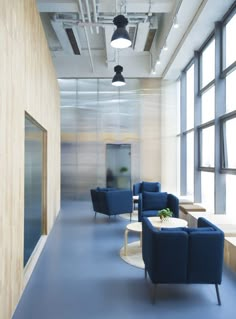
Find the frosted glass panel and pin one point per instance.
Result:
(93, 114)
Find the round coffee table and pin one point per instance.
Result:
(170, 222)
(135, 227)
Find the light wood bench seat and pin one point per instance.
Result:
(230, 252)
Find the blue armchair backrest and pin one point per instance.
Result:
(146, 187)
(155, 201)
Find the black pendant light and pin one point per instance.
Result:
(118, 79)
(120, 38)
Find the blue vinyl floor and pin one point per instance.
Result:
(80, 275)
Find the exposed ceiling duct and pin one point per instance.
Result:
(73, 41)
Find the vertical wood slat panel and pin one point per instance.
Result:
(27, 83)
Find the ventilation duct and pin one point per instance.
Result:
(72, 41)
(150, 38)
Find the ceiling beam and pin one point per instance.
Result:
(137, 6)
(57, 6)
(110, 51)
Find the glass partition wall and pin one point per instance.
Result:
(95, 114)
(34, 213)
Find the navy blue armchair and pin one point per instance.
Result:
(110, 201)
(146, 187)
(183, 255)
(150, 203)
(141, 187)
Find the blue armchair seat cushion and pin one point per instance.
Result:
(154, 201)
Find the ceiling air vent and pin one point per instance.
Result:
(150, 37)
(72, 40)
(132, 31)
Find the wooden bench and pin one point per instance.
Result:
(230, 252)
(186, 209)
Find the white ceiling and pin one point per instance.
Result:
(90, 22)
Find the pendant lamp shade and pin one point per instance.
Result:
(120, 38)
(118, 79)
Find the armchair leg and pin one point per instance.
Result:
(145, 273)
(95, 215)
(154, 286)
(130, 217)
(218, 294)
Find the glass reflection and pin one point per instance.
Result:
(33, 187)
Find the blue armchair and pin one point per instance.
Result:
(183, 255)
(110, 201)
(140, 187)
(151, 202)
(146, 187)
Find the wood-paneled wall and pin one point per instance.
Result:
(27, 83)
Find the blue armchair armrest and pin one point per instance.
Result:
(173, 204)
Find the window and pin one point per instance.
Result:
(231, 92)
(230, 195)
(190, 164)
(207, 146)
(212, 113)
(208, 105)
(207, 190)
(208, 64)
(228, 142)
(230, 48)
(190, 97)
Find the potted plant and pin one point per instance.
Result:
(123, 169)
(164, 214)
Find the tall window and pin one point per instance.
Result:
(208, 64)
(230, 196)
(190, 164)
(231, 92)
(214, 108)
(230, 48)
(207, 151)
(207, 190)
(190, 132)
(34, 218)
(208, 105)
(190, 97)
(228, 121)
(228, 133)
